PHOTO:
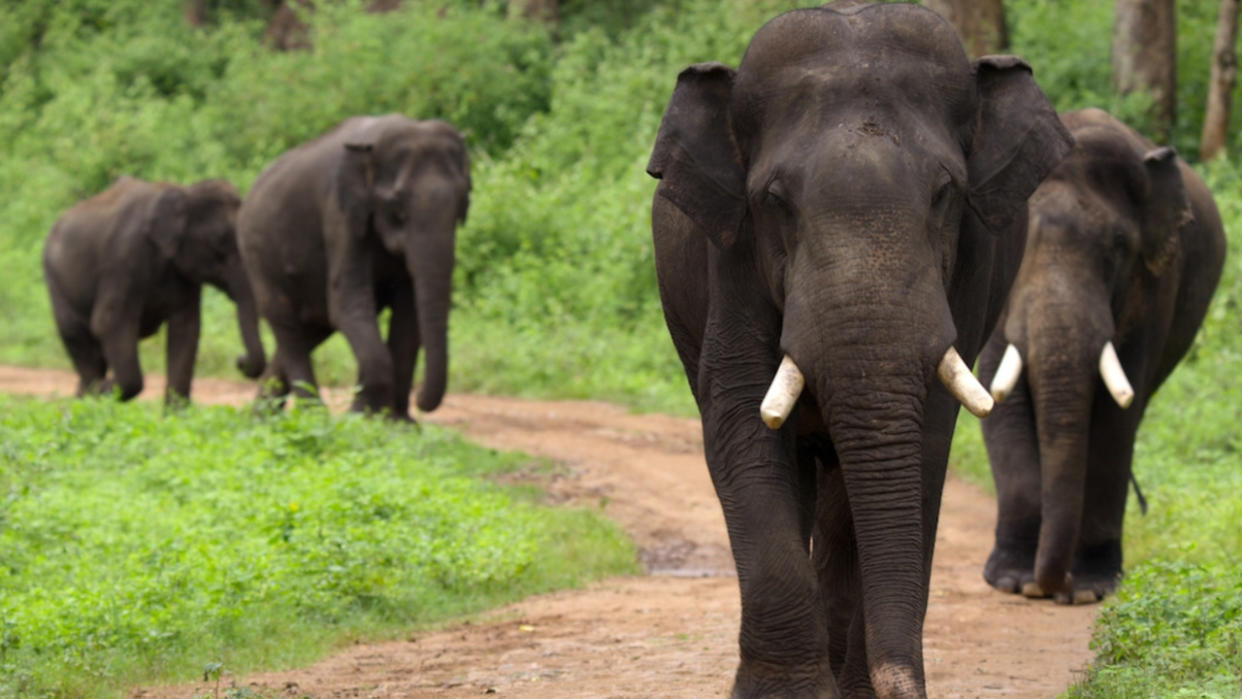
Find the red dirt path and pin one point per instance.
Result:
(669, 633)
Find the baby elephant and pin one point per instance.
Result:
(121, 263)
(360, 219)
(1124, 251)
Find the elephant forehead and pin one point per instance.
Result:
(883, 58)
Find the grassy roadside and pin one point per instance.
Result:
(142, 548)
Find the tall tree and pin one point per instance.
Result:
(1145, 57)
(1220, 87)
(980, 23)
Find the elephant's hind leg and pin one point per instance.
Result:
(84, 350)
(291, 369)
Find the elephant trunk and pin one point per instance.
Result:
(430, 261)
(1062, 375)
(254, 361)
(870, 365)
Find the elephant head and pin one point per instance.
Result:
(863, 188)
(1103, 234)
(195, 230)
(408, 183)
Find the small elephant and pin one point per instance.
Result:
(121, 263)
(360, 219)
(1125, 249)
(836, 226)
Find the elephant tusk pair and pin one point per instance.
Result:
(1110, 371)
(788, 383)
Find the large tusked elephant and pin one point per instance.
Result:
(360, 219)
(849, 204)
(1126, 247)
(121, 263)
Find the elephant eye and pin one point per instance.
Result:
(778, 195)
(396, 216)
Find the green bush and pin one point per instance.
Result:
(139, 547)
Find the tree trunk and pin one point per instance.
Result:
(541, 10)
(1220, 87)
(980, 23)
(195, 12)
(1145, 57)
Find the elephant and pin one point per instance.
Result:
(123, 262)
(836, 224)
(1125, 250)
(361, 218)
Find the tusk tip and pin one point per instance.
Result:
(981, 409)
(772, 419)
(999, 395)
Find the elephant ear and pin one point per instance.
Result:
(165, 224)
(1018, 140)
(356, 183)
(1166, 209)
(695, 156)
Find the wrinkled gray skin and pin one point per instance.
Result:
(120, 264)
(853, 195)
(1126, 245)
(360, 219)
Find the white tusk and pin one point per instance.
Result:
(1114, 376)
(782, 394)
(1007, 373)
(963, 385)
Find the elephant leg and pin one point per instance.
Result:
(117, 322)
(297, 367)
(84, 350)
(182, 348)
(835, 557)
(374, 393)
(1013, 450)
(403, 343)
(1097, 561)
(783, 636)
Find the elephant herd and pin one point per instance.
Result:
(842, 225)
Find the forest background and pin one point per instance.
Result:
(555, 293)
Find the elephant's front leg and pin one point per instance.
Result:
(1097, 561)
(1013, 451)
(783, 640)
(181, 351)
(352, 309)
(403, 342)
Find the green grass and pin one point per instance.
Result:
(554, 290)
(140, 548)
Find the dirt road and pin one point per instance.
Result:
(672, 632)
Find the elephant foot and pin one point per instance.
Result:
(1090, 586)
(1010, 571)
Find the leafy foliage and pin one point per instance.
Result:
(138, 546)
(555, 292)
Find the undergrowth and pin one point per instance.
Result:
(138, 547)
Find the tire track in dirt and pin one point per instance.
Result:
(672, 632)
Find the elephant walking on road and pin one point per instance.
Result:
(844, 212)
(1125, 249)
(360, 219)
(121, 263)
